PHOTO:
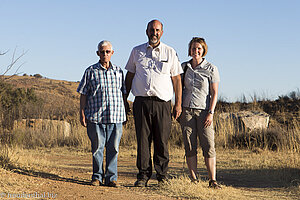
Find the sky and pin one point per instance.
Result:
(255, 44)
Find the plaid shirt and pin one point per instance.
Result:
(104, 89)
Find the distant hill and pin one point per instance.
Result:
(59, 97)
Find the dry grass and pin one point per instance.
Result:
(243, 174)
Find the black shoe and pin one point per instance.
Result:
(213, 184)
(141, 183)
(162, 181)
(112, 184)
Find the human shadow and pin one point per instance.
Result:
(248, 178)
(45, 175)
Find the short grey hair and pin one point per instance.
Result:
(105, 43)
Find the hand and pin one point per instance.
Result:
(208, 120)
(177, 111)
(83, 120)
(127, 108)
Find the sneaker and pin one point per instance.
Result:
(213, 184)
(141, 183)
(112, 184)
(96, 182)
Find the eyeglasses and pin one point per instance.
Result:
(105, 51)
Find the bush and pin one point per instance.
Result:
(38, 76)
(14, 104)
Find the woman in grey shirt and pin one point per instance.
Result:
(199, 98)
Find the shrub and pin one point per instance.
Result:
(14, 103)
(38, 76)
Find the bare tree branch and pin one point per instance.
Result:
(13, 62)
(1, 54)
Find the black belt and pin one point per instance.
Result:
(153, 98)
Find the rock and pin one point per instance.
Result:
(60, 128)
(247, 120)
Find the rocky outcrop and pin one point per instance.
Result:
(246, 120)
(61, 128)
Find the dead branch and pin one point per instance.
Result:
(14, 60)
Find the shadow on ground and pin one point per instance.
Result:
(247, 178)
(46, 175)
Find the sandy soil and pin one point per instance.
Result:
(61, 173)
(69, 178)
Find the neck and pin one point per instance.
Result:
(104, 64)
(196, 62)
(154, 45)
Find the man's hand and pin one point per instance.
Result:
(81, 110)
(83, 120)
(177, 111)
(176, 80)
(127, 108)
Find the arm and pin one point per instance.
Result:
(213, 103)
(128, 83)
(178, 95)
(81, 111)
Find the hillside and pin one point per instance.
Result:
(60, 98)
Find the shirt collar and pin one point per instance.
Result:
(158, 47)
(112, 66)
(201, 65)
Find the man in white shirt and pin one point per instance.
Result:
(153, 75)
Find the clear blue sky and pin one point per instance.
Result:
(255, 44)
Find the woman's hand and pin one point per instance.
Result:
(208, 120)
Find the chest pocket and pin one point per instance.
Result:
(166, 68)
(117, 80)
(95, 86)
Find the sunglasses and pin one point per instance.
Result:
(105, 51)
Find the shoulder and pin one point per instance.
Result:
(184, 63)
(167, 47)
(209, 66)
(140, 47)
(117, 68)
(91, 68)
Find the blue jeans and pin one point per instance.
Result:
(109, 136)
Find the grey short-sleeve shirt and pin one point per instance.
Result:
(197, 84)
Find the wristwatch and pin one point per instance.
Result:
(211, 112)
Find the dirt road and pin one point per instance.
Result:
(69, 177)
(63, 173)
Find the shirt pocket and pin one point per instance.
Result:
(118, 80)
(165, 68)
(96, 87)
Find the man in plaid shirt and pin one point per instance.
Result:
(102, 111)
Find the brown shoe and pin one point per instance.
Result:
(96, 182)
(112, 184)
(213, 184)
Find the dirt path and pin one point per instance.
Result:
(67, 173)
(69, 178)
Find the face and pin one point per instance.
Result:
(154, 32)
(196, 50)
(105, 53)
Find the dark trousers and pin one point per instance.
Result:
(152, 118)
